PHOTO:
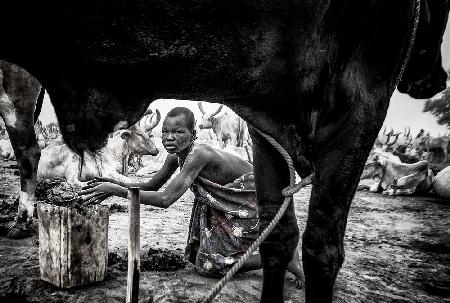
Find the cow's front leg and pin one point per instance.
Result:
(271, 176)
(337, 174)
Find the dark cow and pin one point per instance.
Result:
(315, 75)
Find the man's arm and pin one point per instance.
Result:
(160, 178)
(193, 165)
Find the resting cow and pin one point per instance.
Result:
(394, 178)
(315, 75)
(57, 160)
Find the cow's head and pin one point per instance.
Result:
(373, 169)
(138, 142)
(207, 118)
(424, 75)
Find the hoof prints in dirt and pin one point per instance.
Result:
(162, 260)
(8, 210)
(151, 260)
(118, 208)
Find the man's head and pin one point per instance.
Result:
(178, 129)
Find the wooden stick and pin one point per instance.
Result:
(134, 261)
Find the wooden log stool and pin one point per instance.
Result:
(73, 240)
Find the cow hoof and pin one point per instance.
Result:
(20, 230)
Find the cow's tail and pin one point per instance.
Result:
(39, 101)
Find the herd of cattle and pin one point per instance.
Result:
(399, 164)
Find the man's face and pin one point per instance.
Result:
(176, 135)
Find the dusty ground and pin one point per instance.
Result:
(397, 250)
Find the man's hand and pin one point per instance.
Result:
(104, 179)
(97, 191)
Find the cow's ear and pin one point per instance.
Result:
(125, 135)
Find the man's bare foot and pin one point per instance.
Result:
(295, 267)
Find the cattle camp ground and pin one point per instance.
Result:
(397, 246)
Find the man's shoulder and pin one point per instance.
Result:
(202, 150)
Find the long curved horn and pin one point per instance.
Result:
(154, 123)
(145, 117)
(200, 106)
(395, 141)
(217, 111)
(148, 112)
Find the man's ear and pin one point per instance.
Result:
(194, 134)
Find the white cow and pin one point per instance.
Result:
(57, 160)
(227, 127)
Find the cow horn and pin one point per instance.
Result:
(120, 125)
(154, 123)
(144, 118)
(200, 106)
(384, 130)
(217, 111)
(148, 112)
(395, 141)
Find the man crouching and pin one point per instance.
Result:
(224, 220)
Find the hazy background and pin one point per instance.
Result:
(403, 110)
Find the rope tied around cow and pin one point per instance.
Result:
(288, 193)
(293, 187)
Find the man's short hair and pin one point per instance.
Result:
(188, 114)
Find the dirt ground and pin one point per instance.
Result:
(397, 250)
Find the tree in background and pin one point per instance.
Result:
(440, 107)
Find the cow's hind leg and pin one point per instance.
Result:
(271, 176)
(18, 117)
(337, 174)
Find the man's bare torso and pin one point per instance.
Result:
(221, 167)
